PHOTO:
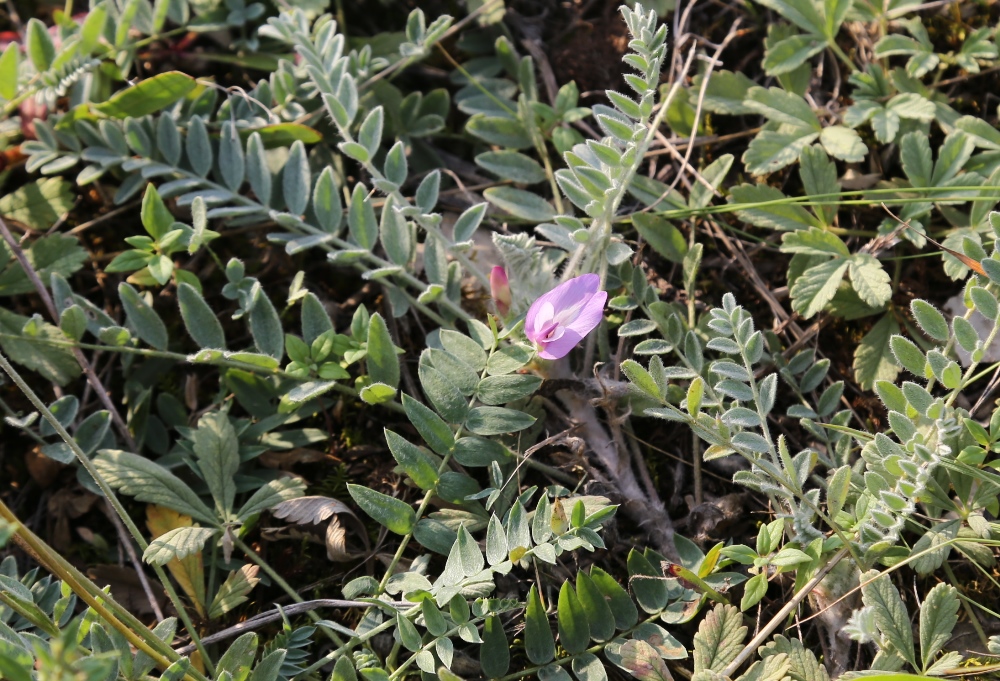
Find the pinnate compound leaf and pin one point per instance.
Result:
(719, 639)
(890, 613)
(150, 483)
(395, 514)
(938, 616)
(177, 544)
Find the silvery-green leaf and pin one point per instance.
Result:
(394, 514)
(315, 320)
(258, 172)
(199, 146)
(296, 179)
(520, 203)
(231, 163)
(503, 132)
(200, 320)
(370, 133)
(265, 327)
(468, 222)
(395, 234)
(512, 165)
(142, 317)
(382, 361)
(395, 168)
(497, 420)
(361, 218)
(326, 202)
(168, 140)
(426, 196)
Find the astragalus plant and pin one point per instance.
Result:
(511, 346)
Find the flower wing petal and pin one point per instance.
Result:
(561, 346)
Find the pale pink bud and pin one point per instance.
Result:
(500, 289)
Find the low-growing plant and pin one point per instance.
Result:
(480, 570)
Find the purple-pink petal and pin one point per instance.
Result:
(590, 316)
(561, 346)
(558, 320)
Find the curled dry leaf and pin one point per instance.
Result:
(316, 509)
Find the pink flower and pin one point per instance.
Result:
(561, 318)
(500, 290)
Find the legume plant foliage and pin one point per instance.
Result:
(251, 251)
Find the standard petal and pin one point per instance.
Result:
(590, 316)
(572, 293)
(561, 346)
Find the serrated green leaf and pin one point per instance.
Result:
(871, 282)
(150, 483)
(719, 639)
(891, 617)
(817, 286)
(938, 616)
(177, 544)
(234, 590)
